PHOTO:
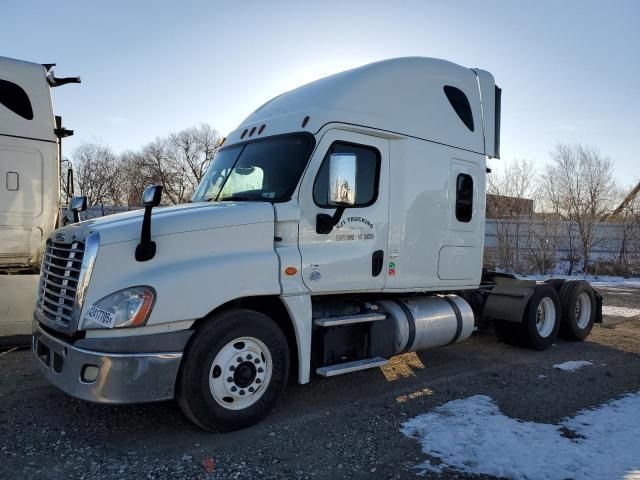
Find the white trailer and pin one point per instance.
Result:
(341, 223)
(30, 138)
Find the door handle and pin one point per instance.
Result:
(377, 259)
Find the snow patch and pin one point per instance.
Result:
(472, 436)
(572, 365)
(620, 311)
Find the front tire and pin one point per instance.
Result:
(234, 371)
(541, 320)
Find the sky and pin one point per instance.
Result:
(569, 70)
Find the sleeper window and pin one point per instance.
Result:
(15, 99)
(464, 198)
(460, 104)
(368, 173)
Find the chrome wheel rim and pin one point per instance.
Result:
(583, 310)
(240, 373)
(545, 317)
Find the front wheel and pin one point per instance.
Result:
(234, 371)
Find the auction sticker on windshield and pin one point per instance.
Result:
(101, 317)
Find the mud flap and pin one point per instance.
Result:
(598, 318)
(508, 299)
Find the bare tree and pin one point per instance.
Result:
(545, 229)
(178, 162)
(578, 187)
(627, 219)
(189, 154)
(134, 177)
(510, 205)
(163, 168)
(94, 171)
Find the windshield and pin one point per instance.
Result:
(262, 170)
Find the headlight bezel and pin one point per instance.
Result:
(111, 303)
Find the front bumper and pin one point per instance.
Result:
(115, 378)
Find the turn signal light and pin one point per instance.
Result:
(144, 309)
(291, 270)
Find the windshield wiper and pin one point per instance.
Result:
(239, 198)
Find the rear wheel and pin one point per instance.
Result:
(541, 320)
(578, 304)
(234, 371)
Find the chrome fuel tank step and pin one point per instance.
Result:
(349, 319)
(341, 368)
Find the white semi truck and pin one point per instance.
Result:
(30, 180)
(342, 223)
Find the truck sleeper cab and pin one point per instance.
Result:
(30, 146)
(341, 223)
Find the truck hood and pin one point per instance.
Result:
(123, 227)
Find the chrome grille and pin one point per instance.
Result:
(59, 277)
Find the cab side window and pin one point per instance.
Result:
(368, 175)
(464, 198)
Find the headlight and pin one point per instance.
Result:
(127, 308)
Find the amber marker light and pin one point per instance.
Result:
(291, 270)
(143, 310)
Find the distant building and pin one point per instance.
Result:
(501, 206)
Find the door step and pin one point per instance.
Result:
(339, 369)
(349, 319)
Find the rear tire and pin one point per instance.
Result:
(234, 371)
(541, 319)
(578, 307)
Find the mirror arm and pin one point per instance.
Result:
(326, 222)
(146, 249)
(77, 205)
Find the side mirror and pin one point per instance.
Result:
(342, 179)
(342, 189)
(146, 249)
(78, 204)
(152, 196)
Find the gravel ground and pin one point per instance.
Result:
(344, 427)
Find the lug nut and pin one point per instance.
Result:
(258, 380)
(232, 368)
(251, 389)
(241, 392)
(249, 357)
(229, 379)
(233, 389)
(239, 359)
(260, 370)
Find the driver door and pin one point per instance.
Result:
(353, 255)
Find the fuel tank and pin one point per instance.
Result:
(423, 322)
